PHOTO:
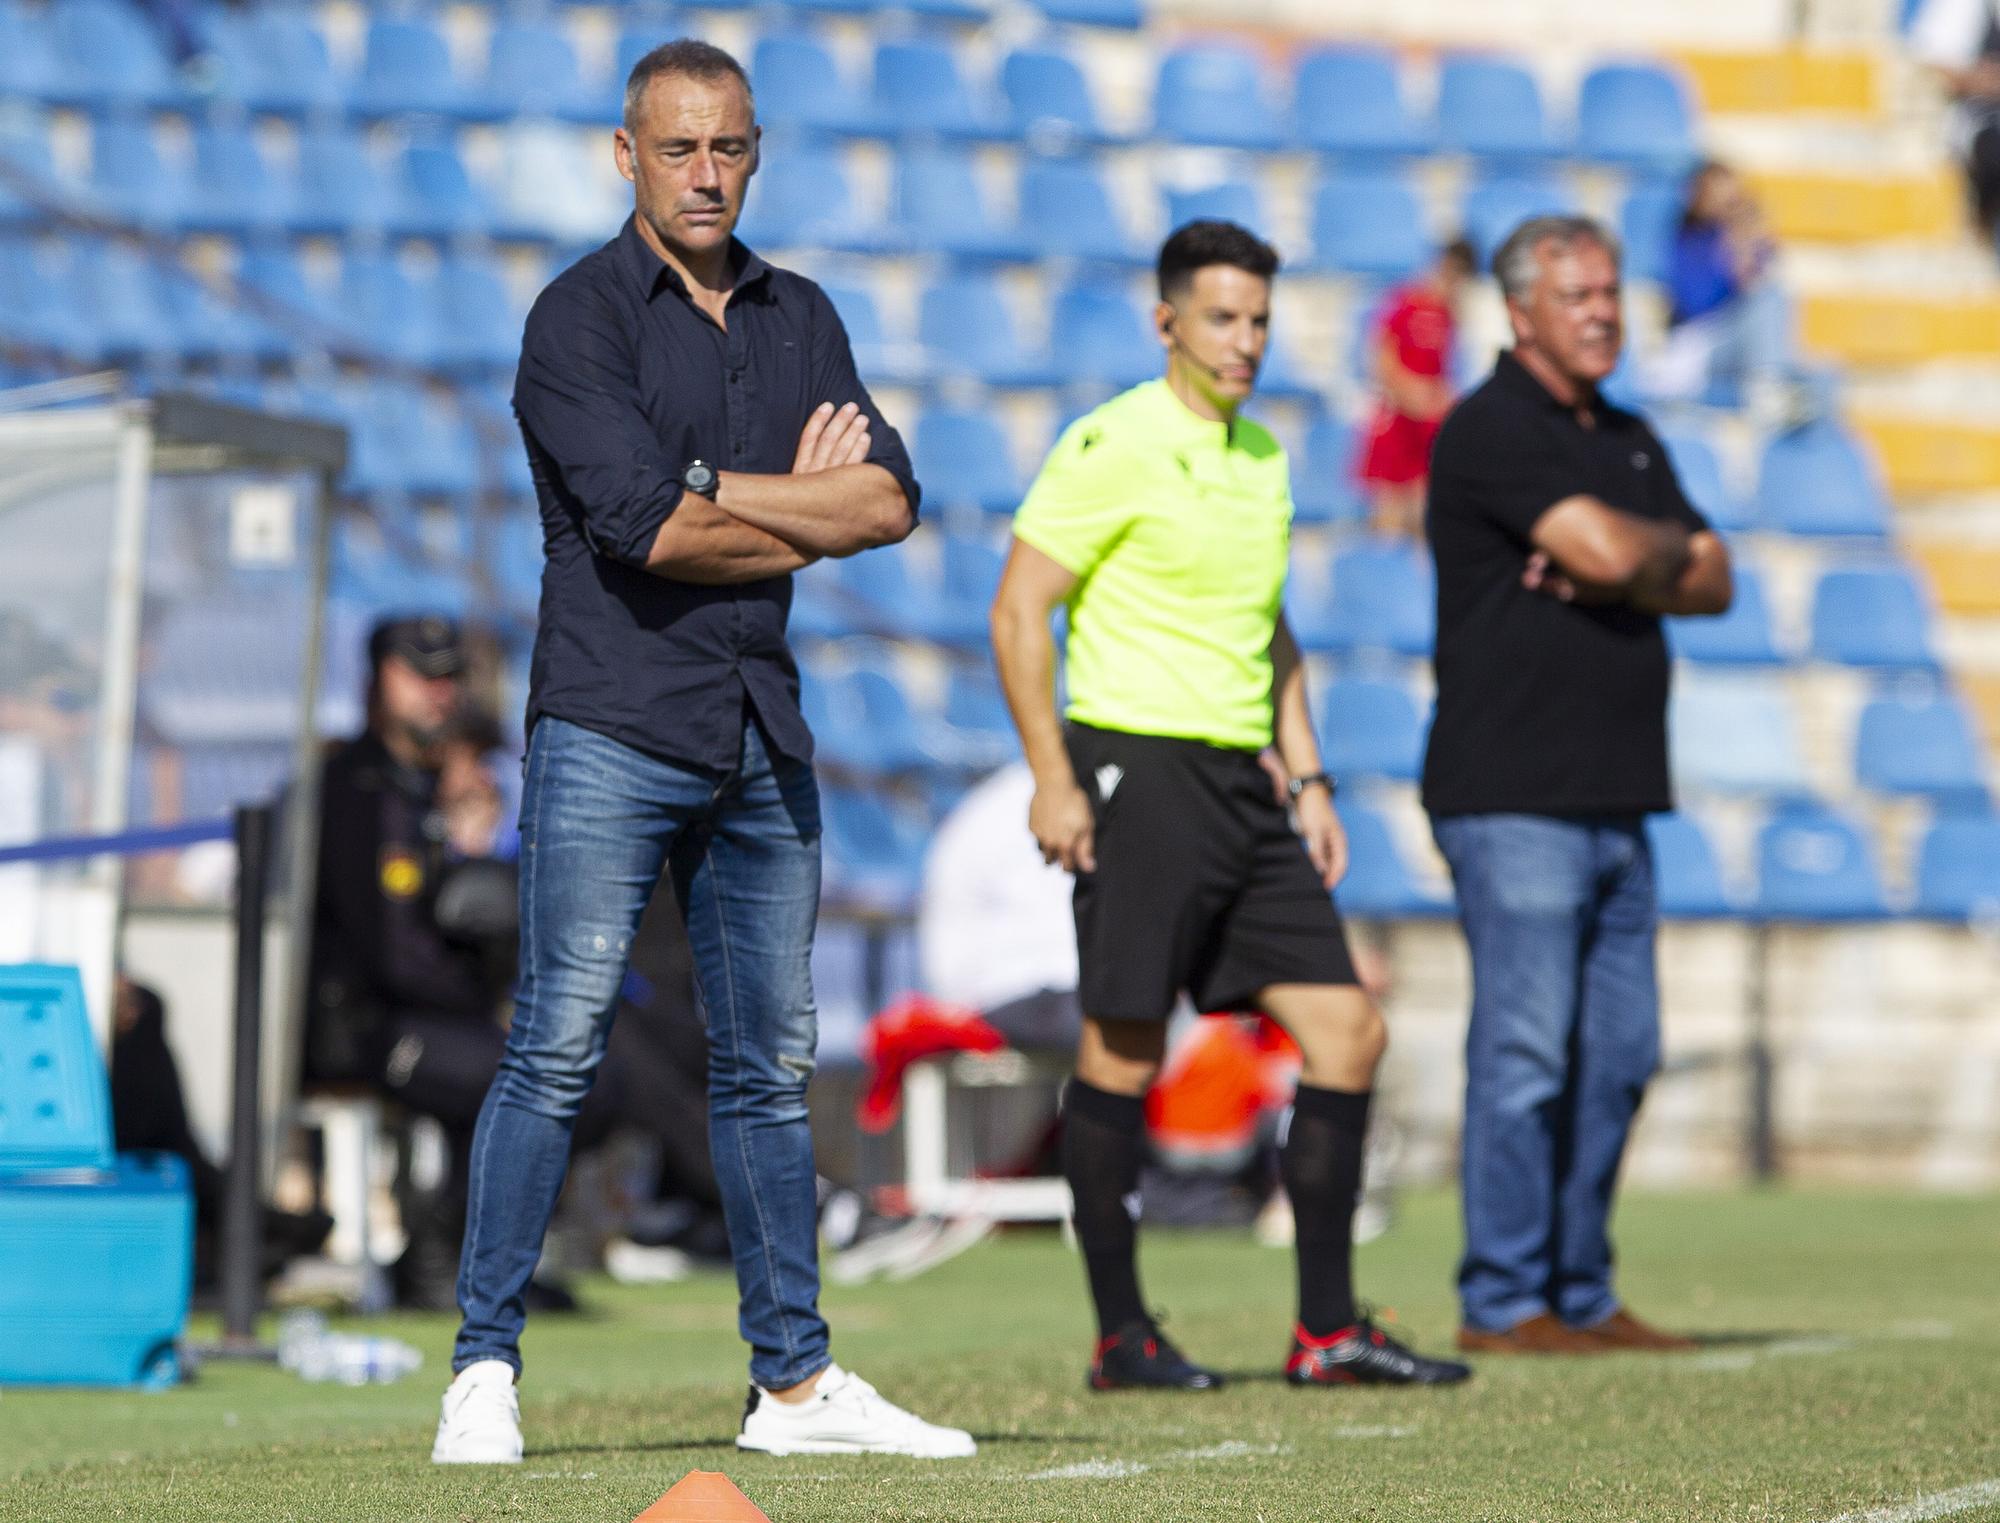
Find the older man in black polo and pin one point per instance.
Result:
(697, 433)
(1561, 537)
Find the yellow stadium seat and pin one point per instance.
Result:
(1899, 330)
(1845, 208)
(1787, 81)
(1965, 578)
(1923, 455)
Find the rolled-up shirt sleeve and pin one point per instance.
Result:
(834, 379)
(577, 396)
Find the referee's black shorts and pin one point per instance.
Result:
(1201, 883)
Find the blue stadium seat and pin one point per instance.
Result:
(1922, 744)
(882, 596)
(1873, 616)
(514, 552)
(477, 321)
(1817, 480)
(1350, 100)
(489, 408)
(1379, 881)
(36, 308)
(1239, 201)
(866, 723)
(109, 54)
(1814, 865)
(1369, 224)
(972, 567)
(963, 459)
(1370, 729)
(978, 730)
(1050, 100)
(1686, 874)
(234, 189)
(965, 325)
(1736, 734)
(1744, 636)
(1495, 207)
(1324, 488)
(211, 329)
(129, 178)
(1647, 222)
(1383, 597)
(378, 296)
(1492, 107)
(920, 90)
(1636, 115)
(1700, 473)
(1958, 869)
(531, 70)
(802, 198)
(25, 150)
(874, 853)
(439, 199)
(340, 187)
(1215, 94)
(274, 60)
(271, 274)
(941, 208)
(1128, 15)
(1100, 336)
(799, 84)
(406, 71)
(549, 187)
(29, 68)
(876, 357)
(1067, 211)
(114, 289)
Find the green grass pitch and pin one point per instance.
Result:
(1854, 1372)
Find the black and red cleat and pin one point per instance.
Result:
(1364, 1355)
(1137, 1358)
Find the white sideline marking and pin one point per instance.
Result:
(1942, 1505)
(1111, 1470)
(1090, 1470)
(1784, 1348)
(1922, 1327)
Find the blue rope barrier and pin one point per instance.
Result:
(130, 843)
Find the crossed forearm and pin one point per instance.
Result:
(834, 512)
(702, 544)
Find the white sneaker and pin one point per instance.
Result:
(481, 1420)
(845, 1415)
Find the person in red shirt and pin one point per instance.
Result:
(1412, 346)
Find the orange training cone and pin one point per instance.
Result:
(703, 1496)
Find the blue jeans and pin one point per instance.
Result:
(599, 823)
(1560, 915)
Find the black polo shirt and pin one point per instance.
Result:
(1542, 707)
(623, 381)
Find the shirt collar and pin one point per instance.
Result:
(1517, 378)
(1180, 424)
(650, 272)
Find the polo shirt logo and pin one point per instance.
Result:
(1640, 460)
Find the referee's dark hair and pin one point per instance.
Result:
(685, 58)
(1197, 245)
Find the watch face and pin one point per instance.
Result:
(699, 477)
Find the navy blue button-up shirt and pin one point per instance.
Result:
(623, 381)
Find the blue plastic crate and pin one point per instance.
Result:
(96, 1251)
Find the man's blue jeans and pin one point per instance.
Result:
(1560, 915)
(599, 823)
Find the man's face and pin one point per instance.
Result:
(1571, 315)
(417, 705)
(689, 155)
(1221, 320)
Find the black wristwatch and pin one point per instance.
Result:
(699, 477)
(1298, 785)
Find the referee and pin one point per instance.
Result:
(1161, 522)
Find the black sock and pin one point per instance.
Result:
(1101, 1137)
(1321, 1166)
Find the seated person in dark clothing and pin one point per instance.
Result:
(149, 1114)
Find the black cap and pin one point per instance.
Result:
(428, 643)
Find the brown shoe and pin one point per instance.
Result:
(1624, 1333)
(1539, 1334)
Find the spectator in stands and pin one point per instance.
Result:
(1561, 536)
(1730, 330)
(1960, 41)
(697, 433)
(1414, 333)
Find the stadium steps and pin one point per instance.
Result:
(1788, 81)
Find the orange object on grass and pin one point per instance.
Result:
(703, 1496)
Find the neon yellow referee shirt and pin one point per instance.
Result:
(1178, 531)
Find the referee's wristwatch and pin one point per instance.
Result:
(1298, 785)
(700, 478)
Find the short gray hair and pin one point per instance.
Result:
(688, 57)
(1517, 262)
